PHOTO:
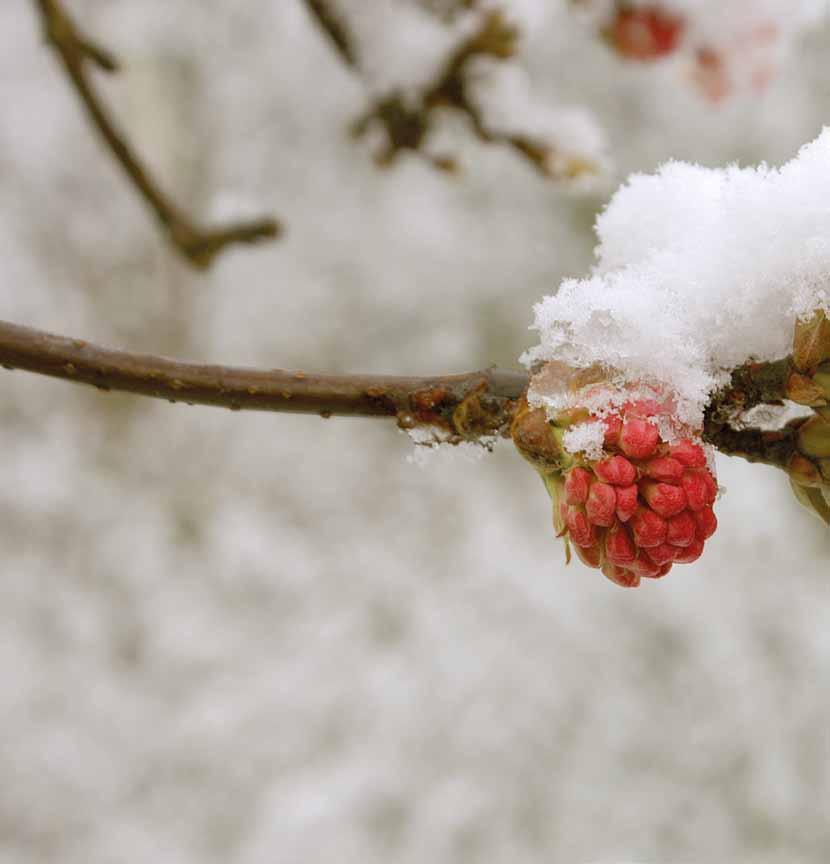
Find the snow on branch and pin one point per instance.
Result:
(698, 272)
(197, 244)
(418, 67)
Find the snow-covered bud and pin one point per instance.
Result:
(641, 507)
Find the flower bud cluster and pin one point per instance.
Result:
(643, 507)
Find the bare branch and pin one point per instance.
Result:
(468, 406)
(198, 245)
(334, 28)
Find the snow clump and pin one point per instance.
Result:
(698, 270)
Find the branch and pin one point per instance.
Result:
(407, 120)
(198, 245)
(752, 384)
(471, 406)
(468, 406)
(334, 28)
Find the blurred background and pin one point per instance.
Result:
(232, 637)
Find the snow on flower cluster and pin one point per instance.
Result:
(698, 270)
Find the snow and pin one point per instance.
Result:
(698, 270)
(250, 638)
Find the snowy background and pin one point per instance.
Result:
(232, 637)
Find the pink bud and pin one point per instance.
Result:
(619, 548)
(590, 555)
(577, 484)
(691, 553)
(689, 454)
(617, 470)
(682, 529)
(626, 502)
(665, 469)
(620, 576)
(707, 523)
(613, 425)
(700, 488)
(601, 504)
(663, 554)
(644, 566)
(666, 500)
(582, 532)
(648, 528)
(639, 438)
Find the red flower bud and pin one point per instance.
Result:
(617, 470)
(691, 553)
(581, 531)
(682, 529)
(619, 547)
(707, 523)
(689, 454)
(648, 528)
(601, 504)
(666, 500)
(626, 502)
(577, 485)
(642, 565)
(700, 488)
(663, 554)
(620, 576)
(639, 438)
(590, 555)
(613, 425)
(665, 469)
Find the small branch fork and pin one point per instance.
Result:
(198, 245)
(406, 121)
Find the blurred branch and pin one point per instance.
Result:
(198, 245)
(406, 119)
(468, 406)
(331, 24)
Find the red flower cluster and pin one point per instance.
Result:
(641, 509)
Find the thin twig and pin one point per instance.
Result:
(468, 406)
(332, 25)
(198, 245)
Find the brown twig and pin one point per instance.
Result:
(472, 406)
(407, 119)
(332, 25)
(198, 245)
(468, 406)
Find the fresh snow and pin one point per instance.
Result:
(698, 270)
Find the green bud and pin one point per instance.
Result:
(815, 500)
(805, 390)
(814, 437)
(811, 342)
(822, 379)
